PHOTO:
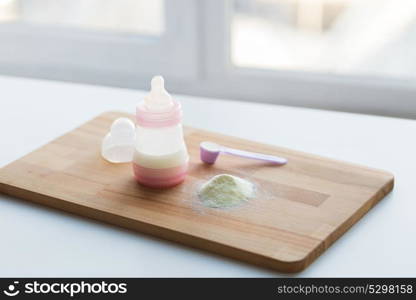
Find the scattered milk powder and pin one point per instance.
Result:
(225, 191)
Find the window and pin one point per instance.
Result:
(349, 55)
(109, 42)
(134, 16)
(365, 37)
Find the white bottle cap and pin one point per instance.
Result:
(158, 100)
(118, 144)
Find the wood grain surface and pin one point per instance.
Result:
(300, 209)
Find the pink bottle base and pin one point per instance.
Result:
(160, 178)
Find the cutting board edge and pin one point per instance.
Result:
(351, 221)
(160, 232)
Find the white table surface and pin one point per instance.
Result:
(37, 241)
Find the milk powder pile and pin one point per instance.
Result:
(225, 191)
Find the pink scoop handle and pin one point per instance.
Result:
(253, 155)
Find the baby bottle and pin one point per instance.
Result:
(160, 157)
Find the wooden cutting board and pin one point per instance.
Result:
(299, 211)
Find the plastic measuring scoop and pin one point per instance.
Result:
(209, 153)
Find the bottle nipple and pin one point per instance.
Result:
(158, 99)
